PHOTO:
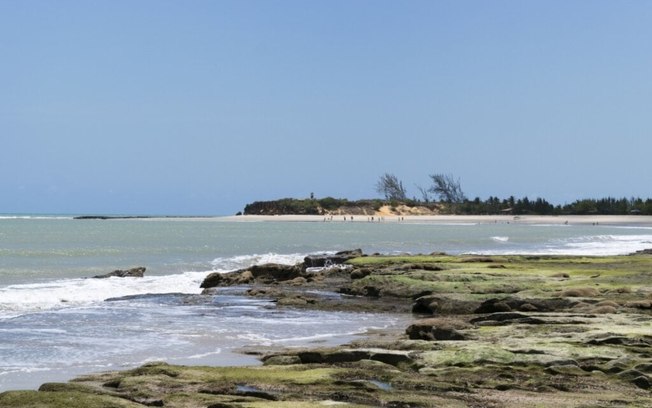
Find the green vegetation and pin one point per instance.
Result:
(452, 200)
(311, 206)
(391, 187)
(490, 206)
(62, 399)
(482, 277)
(603, 206)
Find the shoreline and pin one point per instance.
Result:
(611, 220)
(625, 220)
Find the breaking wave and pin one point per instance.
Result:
(244, 261)
(63, 293)
(587, 245)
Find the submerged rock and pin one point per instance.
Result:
(137, 272)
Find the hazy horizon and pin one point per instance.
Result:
(164, 107)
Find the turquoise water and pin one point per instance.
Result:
(55, 323)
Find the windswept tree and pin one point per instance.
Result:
(391, 187)
(425, 193)
(447, 188)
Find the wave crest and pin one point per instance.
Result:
(225, 264)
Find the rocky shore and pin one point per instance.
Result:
(489, 331)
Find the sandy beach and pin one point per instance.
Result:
(626, 220)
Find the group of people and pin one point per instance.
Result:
(369, 219)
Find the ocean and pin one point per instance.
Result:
(56, 323)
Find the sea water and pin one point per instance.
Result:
(57, 323)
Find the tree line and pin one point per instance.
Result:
(445, 193)
(540, 206)
(307, 206)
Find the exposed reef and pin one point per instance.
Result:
(489, 331)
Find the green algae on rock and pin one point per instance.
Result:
(503, 331)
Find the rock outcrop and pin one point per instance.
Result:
(266, 273)
(442, 305)
(325, 260)
(436, 329)
(137, 272)
(647, 251)
(497, 305)
(273, 273)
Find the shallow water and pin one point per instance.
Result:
(58, 344)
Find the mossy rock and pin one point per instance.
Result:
(62, 399)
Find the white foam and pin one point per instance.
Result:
(255, 338)
(8, 370)
(441, 223)
(587, 245)
(33, 330)
(609, 244)
(500, 239)
(306, 339)
(632, 227)
(35, 217)
(204, 355)
(244, 261)
(25, 298)
(342, 267)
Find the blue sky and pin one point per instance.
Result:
(199, 107)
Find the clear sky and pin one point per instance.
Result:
(199, 107)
